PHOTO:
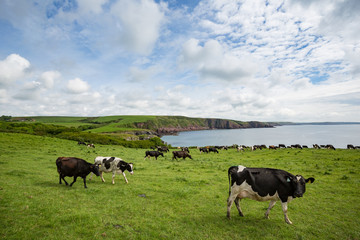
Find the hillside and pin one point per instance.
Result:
(144, 125)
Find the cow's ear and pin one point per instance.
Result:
(311, 180)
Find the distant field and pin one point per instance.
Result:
(166, 199)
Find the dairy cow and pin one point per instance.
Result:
(114, 165)
(264, 184)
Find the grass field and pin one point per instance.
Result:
(168, 199)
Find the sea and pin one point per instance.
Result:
(339, 135)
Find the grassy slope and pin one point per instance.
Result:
(184, 199)
(121, 123)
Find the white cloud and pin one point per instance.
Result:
(139, 23)
(48, 78)
(213, 62)
(77, 86)
(12, 68)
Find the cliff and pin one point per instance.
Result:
(169, 125)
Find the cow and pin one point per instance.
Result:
(181, 154)
(163, 149)
(316, 146)
(114, 165)
(75, 167)
(350, 146)
(329, 146)
(213, 149)
(273, 147)
(204, 149)
(91, 145)
(263, 184)
(81, 143)
(153, 154)
(185, 149)
(282, 145)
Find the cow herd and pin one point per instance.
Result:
(260, 184)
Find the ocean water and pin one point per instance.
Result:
(337, 135)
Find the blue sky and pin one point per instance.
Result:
(280, 60)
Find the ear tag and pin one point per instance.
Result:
(288, 179)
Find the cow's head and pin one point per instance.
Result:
(95, 169)
(130, 168)
(298, 183)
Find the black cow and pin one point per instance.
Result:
(75, 167)
(204, 149)
(329, 146)
(213, 149)
(163, 149)
(350, 146)
(263, 184)
(153, 154)
(181, 154)
(81, 143)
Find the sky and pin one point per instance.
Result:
(247, 60)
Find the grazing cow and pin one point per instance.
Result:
(204, 149)
(282, 146)
(263, 184)
(213, 149)
(181, 154)
(81, 143)
(329, 146)
(296, 146)
(273, 147)
(240, 148)
(153, 154)
(350, 146)
(185, 149)
(91, 145)
(163, 149)
(75, 167)
(114, 165)
(316, 146)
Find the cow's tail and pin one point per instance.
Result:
(229, 177)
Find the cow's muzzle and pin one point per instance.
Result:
(298, 195)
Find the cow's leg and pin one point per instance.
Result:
(75, 177)
(125, 177)
(271, 205)
(85, 182)
(285, 208)
(102, 178)
(230, 201)
(113, 177)
(237, 203)
(63, 178)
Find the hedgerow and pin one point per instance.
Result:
(76, 134)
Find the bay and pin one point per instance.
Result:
(337, 135)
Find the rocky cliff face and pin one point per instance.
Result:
(205, 124)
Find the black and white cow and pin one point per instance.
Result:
(114, 165)
(264, 184)
(153, 154)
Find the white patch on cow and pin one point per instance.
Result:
(245, 191)
(240, 168)
(298, 178)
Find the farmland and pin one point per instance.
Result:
(170, 199)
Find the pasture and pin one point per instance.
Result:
(167, 199)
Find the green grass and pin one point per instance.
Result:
(184, 199)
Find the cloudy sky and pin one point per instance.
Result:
(265, 60)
